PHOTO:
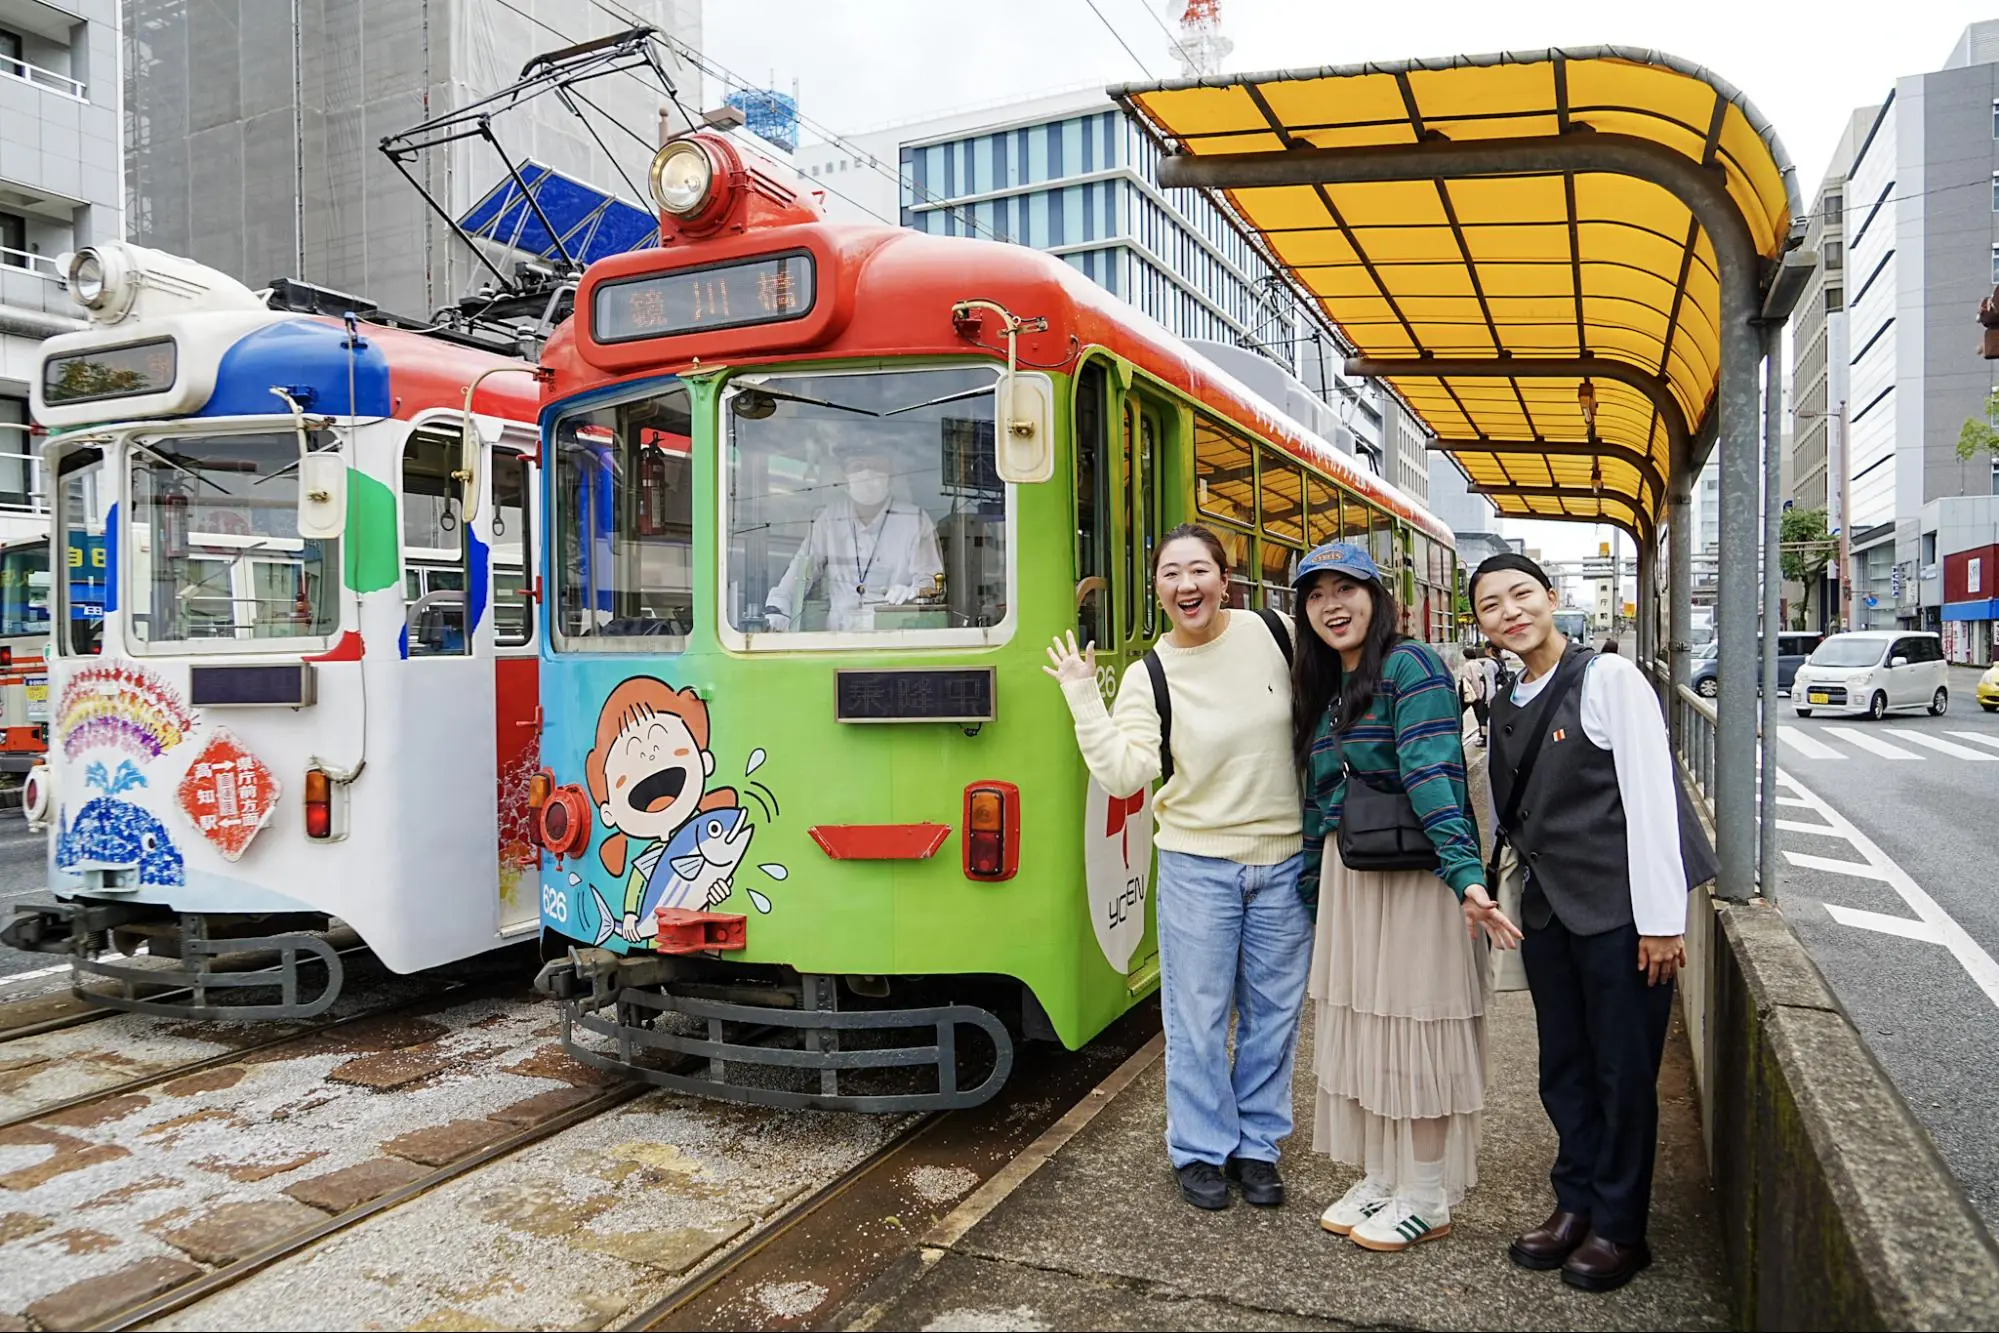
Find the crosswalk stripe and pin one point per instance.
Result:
(1805, 745)
(1980, 737)
(1874, 744)
(1955, 751)
(1794, 800)
(1887, 925)
(1805, 826)
(1860, 869)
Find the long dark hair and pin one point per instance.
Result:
(1318, 676)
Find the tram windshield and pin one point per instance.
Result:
(624, 524)
(215, 554)
(79, 517)
(863, 502)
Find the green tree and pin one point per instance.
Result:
(1807, 549)
(1975, 436)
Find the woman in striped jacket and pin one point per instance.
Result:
(1399, 979)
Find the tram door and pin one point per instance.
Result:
(517, 681)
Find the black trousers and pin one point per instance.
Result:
(1603, 1034)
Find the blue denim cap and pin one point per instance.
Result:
(1348, 558)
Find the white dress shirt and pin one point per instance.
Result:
(860, 564)
(1621, 714)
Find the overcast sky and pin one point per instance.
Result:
(861, 64)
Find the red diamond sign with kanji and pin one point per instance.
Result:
(228, 794)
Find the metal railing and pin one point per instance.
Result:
(42, 266)
(10, 68)
(1693, 728)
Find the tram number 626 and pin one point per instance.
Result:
(554, 903)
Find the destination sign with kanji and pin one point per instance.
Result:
(918, 694)
(109, 372)
(766, 290)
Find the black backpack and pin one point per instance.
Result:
(1163, 701)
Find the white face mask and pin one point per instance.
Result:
(867, 488)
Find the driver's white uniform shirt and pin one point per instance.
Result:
(858, 564)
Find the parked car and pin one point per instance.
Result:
(1874, 672)
(1793, 647)
(1988, 689)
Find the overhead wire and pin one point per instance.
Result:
(1118, 37)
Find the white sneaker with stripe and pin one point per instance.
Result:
(1398, 1224)
(1355, 1206)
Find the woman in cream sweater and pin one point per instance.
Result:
(1232, 929)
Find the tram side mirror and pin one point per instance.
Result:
(322, 495)
(1024, 428)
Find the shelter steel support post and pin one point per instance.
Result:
(1680, 594)
(1773, 575)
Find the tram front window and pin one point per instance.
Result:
(215, 554)
(862, 502)
(79, 517)
(624, 525)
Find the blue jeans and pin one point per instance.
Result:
(1230, 933)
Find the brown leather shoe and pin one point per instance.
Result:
(1547, 1245)
(1605, 1265)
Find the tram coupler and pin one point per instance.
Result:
(684, 932)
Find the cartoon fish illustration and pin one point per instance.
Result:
(694, 872)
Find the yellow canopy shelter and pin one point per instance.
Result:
(1491, 290)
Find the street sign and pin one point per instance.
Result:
(1600, 569)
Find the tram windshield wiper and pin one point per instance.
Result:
(769, 392)
(983, 391)
(164, 461)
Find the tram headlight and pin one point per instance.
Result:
(683, 178)
(86, 278)
(103, 279)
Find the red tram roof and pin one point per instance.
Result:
(427, 373)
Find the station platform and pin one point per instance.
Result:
(1091, 1231)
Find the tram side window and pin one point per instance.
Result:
(1224, 483)
(80, 592)
(1090, 456)
(513, 609)
(1323, 516)
(211, 550)
(1282, 498)
(864, 502)
(434, 545)
(624, 524)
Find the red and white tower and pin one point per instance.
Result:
(1200, 45)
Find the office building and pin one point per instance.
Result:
(1819, 347)
(254, 131)
(1921, 201)
(60, 190)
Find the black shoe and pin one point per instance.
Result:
(1201, 1184)
(1605, 1265)
(1261, 1185)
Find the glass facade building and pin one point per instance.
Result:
(1080, 185)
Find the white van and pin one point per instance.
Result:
(1875, 672)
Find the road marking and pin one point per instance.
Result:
(1943, 747)
(1803, 743)
(1984, 971)
(30, 976)
(1794, 800)
(1978, 736)
(1858, 869)
(1871, 743)
(1886, 925)
(1800, 826)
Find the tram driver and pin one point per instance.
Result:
(864, 551)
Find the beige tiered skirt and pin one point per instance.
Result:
(1399, 994)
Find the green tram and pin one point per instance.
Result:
(812, 820)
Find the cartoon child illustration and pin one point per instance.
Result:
(648, 776)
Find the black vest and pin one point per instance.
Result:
(1570, 830)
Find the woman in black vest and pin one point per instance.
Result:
(1582, 778)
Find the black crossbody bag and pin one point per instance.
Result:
(1379, 826)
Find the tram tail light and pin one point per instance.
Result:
(540, 787)
(992, 831)
(563, 821)
(318, 804)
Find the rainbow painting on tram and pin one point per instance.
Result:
(304, 693)
(819, 494)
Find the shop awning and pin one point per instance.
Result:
(1487, 298)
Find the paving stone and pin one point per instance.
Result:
(98, 1113)
(440, 1144)
(555, 1063)
(539, 1209)
(13, 1226)
(81, 1240)
(226, 1233)
(352, 1186)
(542, 1107)
(71, 1154)
(389, 1033)
(13, 1323)
(389, 1070)
(89, 1302)
(254, 1171)
(208, 1080)
(672, 1252)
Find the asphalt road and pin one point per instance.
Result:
(1890, 837)
(22, 858)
